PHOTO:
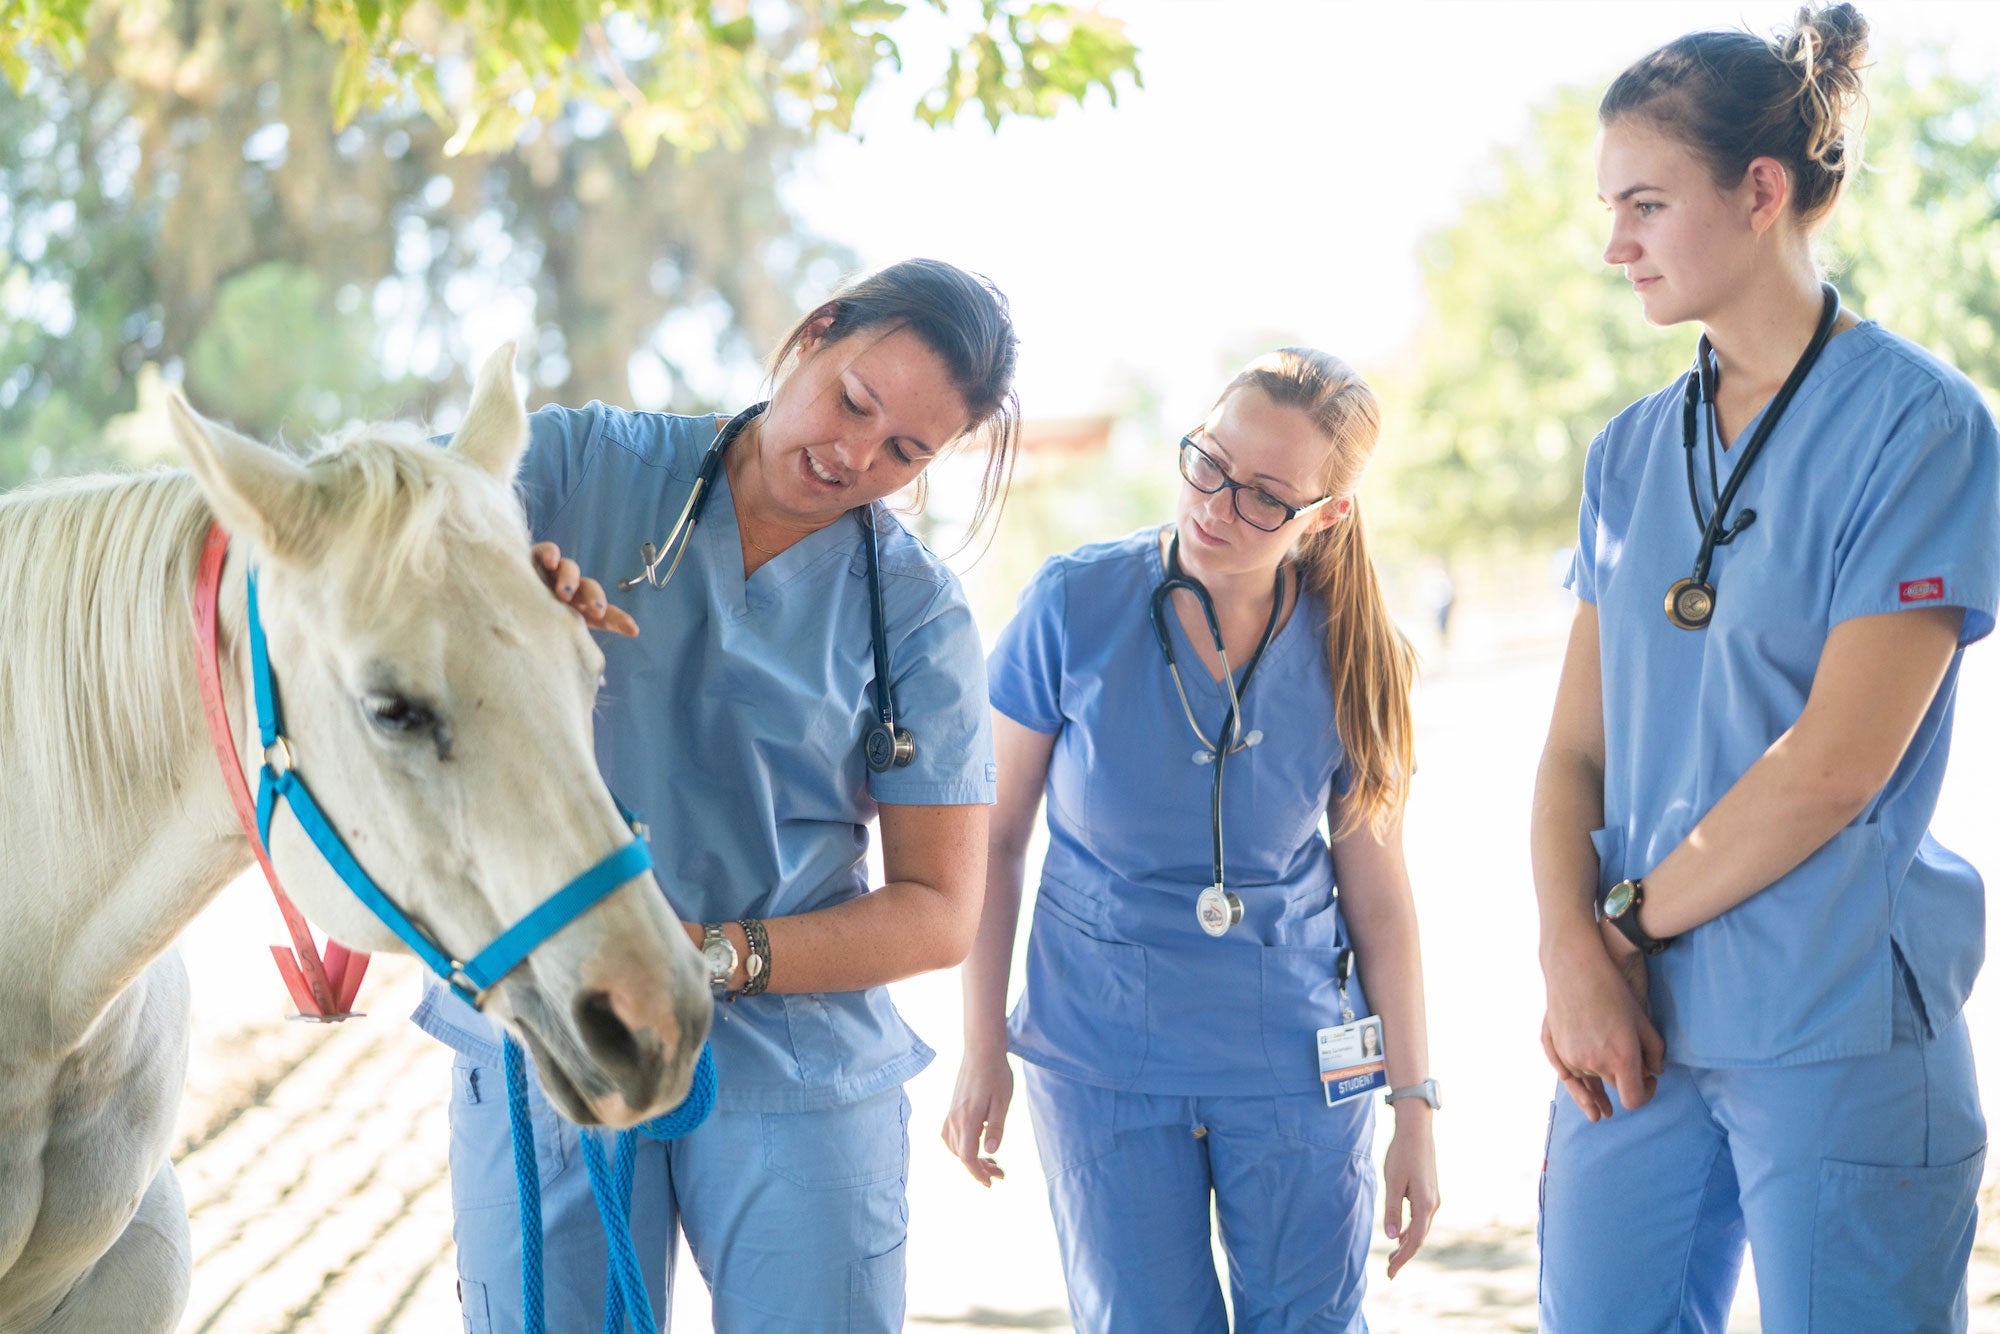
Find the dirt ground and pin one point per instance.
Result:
(313, 1159)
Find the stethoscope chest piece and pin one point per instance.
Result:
(889, 749)
(1691, 603)
(1217, 909)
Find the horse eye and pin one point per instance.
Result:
(395, 713)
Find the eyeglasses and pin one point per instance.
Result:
(1255, 506)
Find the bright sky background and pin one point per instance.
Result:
(1273, 178)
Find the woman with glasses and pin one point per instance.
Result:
(1192, 1016)
(740, 726)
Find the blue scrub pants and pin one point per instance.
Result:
(1854, 1182)
(796, 1219)
(1131, 1176)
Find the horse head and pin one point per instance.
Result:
(438, 701)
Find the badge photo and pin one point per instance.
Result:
(1350, 1059)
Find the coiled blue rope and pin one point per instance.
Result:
(610, 1186)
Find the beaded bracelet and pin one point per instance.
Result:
(757, 968)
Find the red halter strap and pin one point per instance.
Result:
(323, 991)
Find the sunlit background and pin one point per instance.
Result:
(1408, 185)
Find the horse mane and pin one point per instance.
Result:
(97, 683)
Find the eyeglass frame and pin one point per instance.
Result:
(1233, 486)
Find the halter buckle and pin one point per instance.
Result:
(278, 757)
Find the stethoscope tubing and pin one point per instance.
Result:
(896, 747)
(1700, 391)
(1229, 738)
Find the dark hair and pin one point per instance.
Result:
(1733, 97)
(963, 319)
(1372, 665)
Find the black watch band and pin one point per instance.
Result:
(1620, 905)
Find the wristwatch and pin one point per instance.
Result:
(720, 956)
(1427, 1091)
(1620, 907)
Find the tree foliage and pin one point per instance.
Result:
(690, 74)
(1532, 343)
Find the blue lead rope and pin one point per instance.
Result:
(610, 1186)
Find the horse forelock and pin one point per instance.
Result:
(402, 508)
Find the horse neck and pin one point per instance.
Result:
(125, 831)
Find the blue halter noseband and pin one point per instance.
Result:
(474, 977)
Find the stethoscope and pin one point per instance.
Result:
(1691, 601)
(885, 745)
(1216, 908)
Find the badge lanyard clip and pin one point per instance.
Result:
(1343, 966)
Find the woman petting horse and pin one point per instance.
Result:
(433, 696)
(806, 664)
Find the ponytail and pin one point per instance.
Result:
(1373, 668)
(1372, 665)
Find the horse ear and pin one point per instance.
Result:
(494, 433)
(256, 492)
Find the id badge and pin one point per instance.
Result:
(1350, 1059)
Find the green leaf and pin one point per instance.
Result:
(350, 85)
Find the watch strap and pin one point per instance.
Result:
(1426, 1090)
(1627, 922)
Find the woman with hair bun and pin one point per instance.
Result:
(1756, 954)
(808, 666)
(1194, 1024)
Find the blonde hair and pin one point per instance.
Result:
(1372, 665)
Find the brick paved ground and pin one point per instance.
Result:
(313, 1158)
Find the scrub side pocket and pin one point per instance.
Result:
(1890, 1245)
(482, 1138)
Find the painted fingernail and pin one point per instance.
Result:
(598, 605)
(568, 589)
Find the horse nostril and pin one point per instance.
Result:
(604, 1032)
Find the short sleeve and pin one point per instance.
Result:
(940, 685)
(1024, 672)
(1582, 578)
(561, 445)
(1925, 530)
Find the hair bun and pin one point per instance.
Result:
(1827, 46)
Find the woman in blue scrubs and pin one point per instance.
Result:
(734, 728)
(1175, 996)
(1755, 952)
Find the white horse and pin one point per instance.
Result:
(438, 699)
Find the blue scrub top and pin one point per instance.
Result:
(1878, 491)
(732, 726)
(1123, 989)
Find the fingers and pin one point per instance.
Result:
(962, 1134)
(598, 613)
(1634, 1081)
(569, 584)
(1586, 1091)
(1653, 1051)
(1409, 1233)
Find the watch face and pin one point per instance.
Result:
(721, 957)
(1619, 900)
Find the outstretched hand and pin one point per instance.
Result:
(586, 595)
